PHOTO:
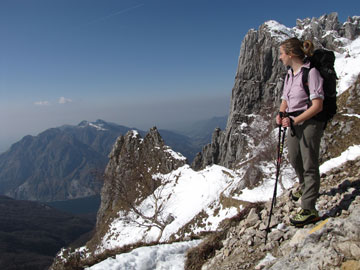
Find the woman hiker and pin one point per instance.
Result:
(297, 112)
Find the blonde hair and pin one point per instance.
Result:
(295, 47)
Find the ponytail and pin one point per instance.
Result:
(294, 47)
(308, 48)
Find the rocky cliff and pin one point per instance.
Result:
(259, 81)
(128, 178)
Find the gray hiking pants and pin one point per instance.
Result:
(304, 157)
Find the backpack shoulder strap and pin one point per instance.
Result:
(305, 80)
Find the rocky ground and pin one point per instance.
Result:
(332, 243)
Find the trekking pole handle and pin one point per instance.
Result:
(284, 115)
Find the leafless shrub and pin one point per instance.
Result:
(131, 196)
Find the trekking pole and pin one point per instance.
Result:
(278, 163)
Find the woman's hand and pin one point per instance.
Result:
(286, 122)
(314, 109)
(280, 115)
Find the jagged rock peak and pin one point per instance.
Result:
(327, 22)
(154, 136)
(326, 31)
(129, 174)
(133, 143)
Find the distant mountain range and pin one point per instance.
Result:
(67, 162)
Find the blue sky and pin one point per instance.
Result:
(135, 63)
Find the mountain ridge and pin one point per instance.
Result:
(64, 162)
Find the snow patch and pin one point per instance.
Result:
(278, 30)
(175, 155)
(86, 123)
(352, 115)
(265, 191)
(134, 134)
(97, 127)
(352, 153)
(347, 65)
(159, 257)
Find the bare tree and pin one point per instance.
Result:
(132, 197)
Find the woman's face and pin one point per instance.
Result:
(284, 58)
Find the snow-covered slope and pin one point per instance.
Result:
(172, 256)
(159, 257)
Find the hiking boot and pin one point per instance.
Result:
(295, 196)
(305, 217)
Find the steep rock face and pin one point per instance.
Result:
(259, 81)
(128, 175)
(256, 91)
(345, 124)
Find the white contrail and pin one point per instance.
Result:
(113, 14)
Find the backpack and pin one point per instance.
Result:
(323, 60)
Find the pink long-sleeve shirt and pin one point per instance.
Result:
(294, 93)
